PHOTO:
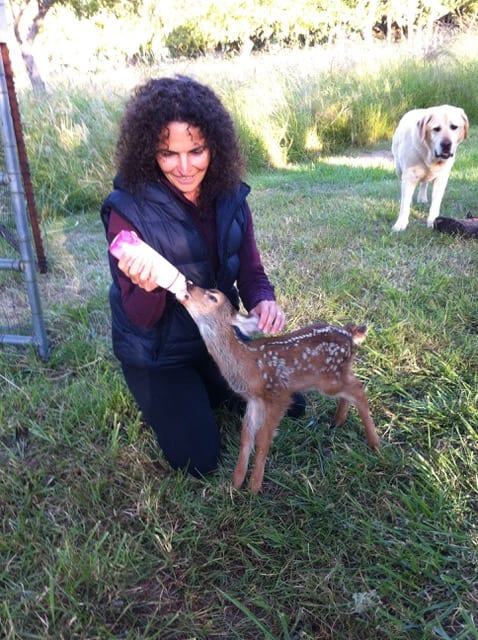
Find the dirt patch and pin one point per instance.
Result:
(377, 158)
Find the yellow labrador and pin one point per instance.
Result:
(424, 146)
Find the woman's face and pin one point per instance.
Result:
(183, 157)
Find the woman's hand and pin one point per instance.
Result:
(271, 317)
(140, 271)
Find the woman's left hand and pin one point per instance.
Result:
(271, 317)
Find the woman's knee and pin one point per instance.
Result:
(185, 429)
(198, 460)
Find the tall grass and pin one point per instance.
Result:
(288, 109)
(99, 539)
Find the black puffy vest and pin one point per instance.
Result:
(165, 226)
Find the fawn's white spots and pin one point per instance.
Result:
(281, 361)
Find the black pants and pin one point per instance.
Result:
(178, 404)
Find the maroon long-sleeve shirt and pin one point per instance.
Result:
(145, 308)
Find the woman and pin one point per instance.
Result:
(179, 187)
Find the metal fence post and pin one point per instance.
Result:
(13, 174)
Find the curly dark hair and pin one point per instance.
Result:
(180, 99)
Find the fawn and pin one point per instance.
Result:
(266, 371)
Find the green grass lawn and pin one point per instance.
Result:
(100, 539)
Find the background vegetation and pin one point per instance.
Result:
(289, 107)
(99, 538)
(152, 31)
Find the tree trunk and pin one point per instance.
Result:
(26, 46)
(32, 69)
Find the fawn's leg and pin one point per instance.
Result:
(341, 413)
(252, 422)
(273, 414)
(355, 393)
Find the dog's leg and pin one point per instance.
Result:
(438, 191)
(423, 192)
(408, 187)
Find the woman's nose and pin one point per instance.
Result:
(184, 163)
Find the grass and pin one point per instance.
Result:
(101, 540)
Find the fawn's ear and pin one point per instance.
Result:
(246, 324)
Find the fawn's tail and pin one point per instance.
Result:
(358, 333)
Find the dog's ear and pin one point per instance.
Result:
(466, 124)
(422, 126)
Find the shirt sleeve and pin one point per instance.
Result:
(252, 281)
(143, 308)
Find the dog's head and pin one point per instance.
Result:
(443, 128)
